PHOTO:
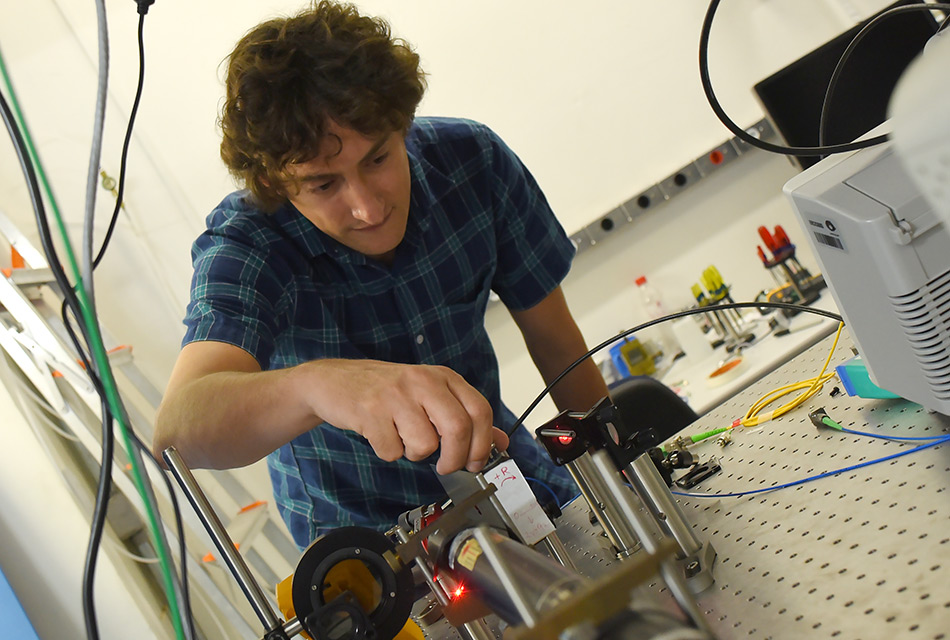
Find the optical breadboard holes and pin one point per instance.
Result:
(857, 555)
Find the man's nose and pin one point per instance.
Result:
(365, 205)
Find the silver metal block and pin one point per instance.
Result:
(643, 202)
(716, 158)
(683, 179)
(608, 225)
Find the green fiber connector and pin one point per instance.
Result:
(820, 418)
(828, 422)
(699, 437)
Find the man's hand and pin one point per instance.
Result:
(221, 411)
(408, 410)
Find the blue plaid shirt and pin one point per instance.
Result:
(277, 287)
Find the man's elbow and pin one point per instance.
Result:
(169, 434)
(161, 438)
(162, 441)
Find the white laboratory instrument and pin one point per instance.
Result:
(878, 221)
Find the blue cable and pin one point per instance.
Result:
(549, 489)
(893, 438)
(568, 503)
(942, 440)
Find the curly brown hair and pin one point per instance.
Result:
(288, 76)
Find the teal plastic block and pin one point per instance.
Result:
(854, 377)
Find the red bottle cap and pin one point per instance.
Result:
(641, 280)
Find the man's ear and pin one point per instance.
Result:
(282, 187)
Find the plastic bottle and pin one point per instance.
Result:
(653, 307)
(650, 298)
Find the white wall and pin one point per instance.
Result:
(714, 223)
(44, 536)
(600, 99)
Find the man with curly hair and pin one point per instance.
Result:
(336, 322)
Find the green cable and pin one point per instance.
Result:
(699, 437)
(828, 422)
(99, 354)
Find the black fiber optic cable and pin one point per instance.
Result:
(70, 298)
(71, 303)
(125, 145)
(147, 454)
(846, 55)
(100, 510)
(184, 595)
(741, 133)
(182, 546)
(672, 316)
(104, 483)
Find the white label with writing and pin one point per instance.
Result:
(530, 521)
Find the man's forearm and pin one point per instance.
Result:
(579, 390)
(231, 419)
(554, 342)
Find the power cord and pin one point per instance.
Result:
(672, 316)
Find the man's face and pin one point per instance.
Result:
(356, 190)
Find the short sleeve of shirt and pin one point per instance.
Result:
(237, 296)
(534, 252)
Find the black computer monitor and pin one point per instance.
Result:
(792, 97)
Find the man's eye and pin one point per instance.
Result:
(381, 158)
(326, 186)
